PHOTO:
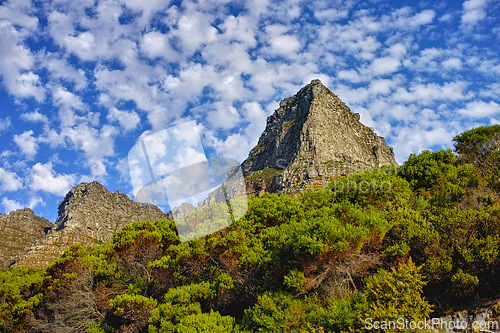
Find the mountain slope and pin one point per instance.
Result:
(19, 230)
(311, 138)
(89, 214)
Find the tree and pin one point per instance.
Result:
(480, 146)
(397, 294)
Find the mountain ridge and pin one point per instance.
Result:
(312, 138)
(89, 214)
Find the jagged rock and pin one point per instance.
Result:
(180, 212)
(19, 230)
(89, 214)
(310, 139)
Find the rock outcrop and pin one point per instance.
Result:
(89, 214)
(20, 229)
(310, 139)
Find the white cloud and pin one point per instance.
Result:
(63, 97)
(59, 69)
(10, 205)
(68, 102)
(281, 42)
(157, 45)
(35, 200)
(417, 138)
(35, 116)
(424, 17)
(194, 29)
(13, 11)
(146, 8)
(9, 181)
(428, 93)
(225, 116)
(127, 119)
(351, 75)
(27, 144)
(94, 142)
(44, 178)
(452, 63)
(257, 7)
(382, 86)
(473, 11)
(239, 29)
(16, 65)
(331, 14)
(5, 123)
(479, 109)
(385, 65)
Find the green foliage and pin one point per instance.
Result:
(480, 146)
(397, 294)
(18, 299)
(380, 188)
(423, 171)
(206, 323)
(278, 313)
(295, 281)
(464, 283)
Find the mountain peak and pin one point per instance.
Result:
(313, 135)
(88, 214)
(20, 228)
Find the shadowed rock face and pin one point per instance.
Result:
(310, 139)
(89, 214)
(19, 230)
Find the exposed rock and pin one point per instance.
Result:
(482, 318)
(19, 230)
(310, 139)
(180, 212)
(89, 214)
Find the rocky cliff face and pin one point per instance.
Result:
(19, 230)
(310, 139)
(89, 214)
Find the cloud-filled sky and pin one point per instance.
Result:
(80, 81)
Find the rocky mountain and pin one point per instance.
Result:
(89, 214)
(19, 230)
(309, 140)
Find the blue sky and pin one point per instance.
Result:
(82, 80)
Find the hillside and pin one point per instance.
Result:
(310, 139)
(335, 235)
(417, 242)
(20, 229)
(89, 214)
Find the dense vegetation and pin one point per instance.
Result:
(419, 240)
